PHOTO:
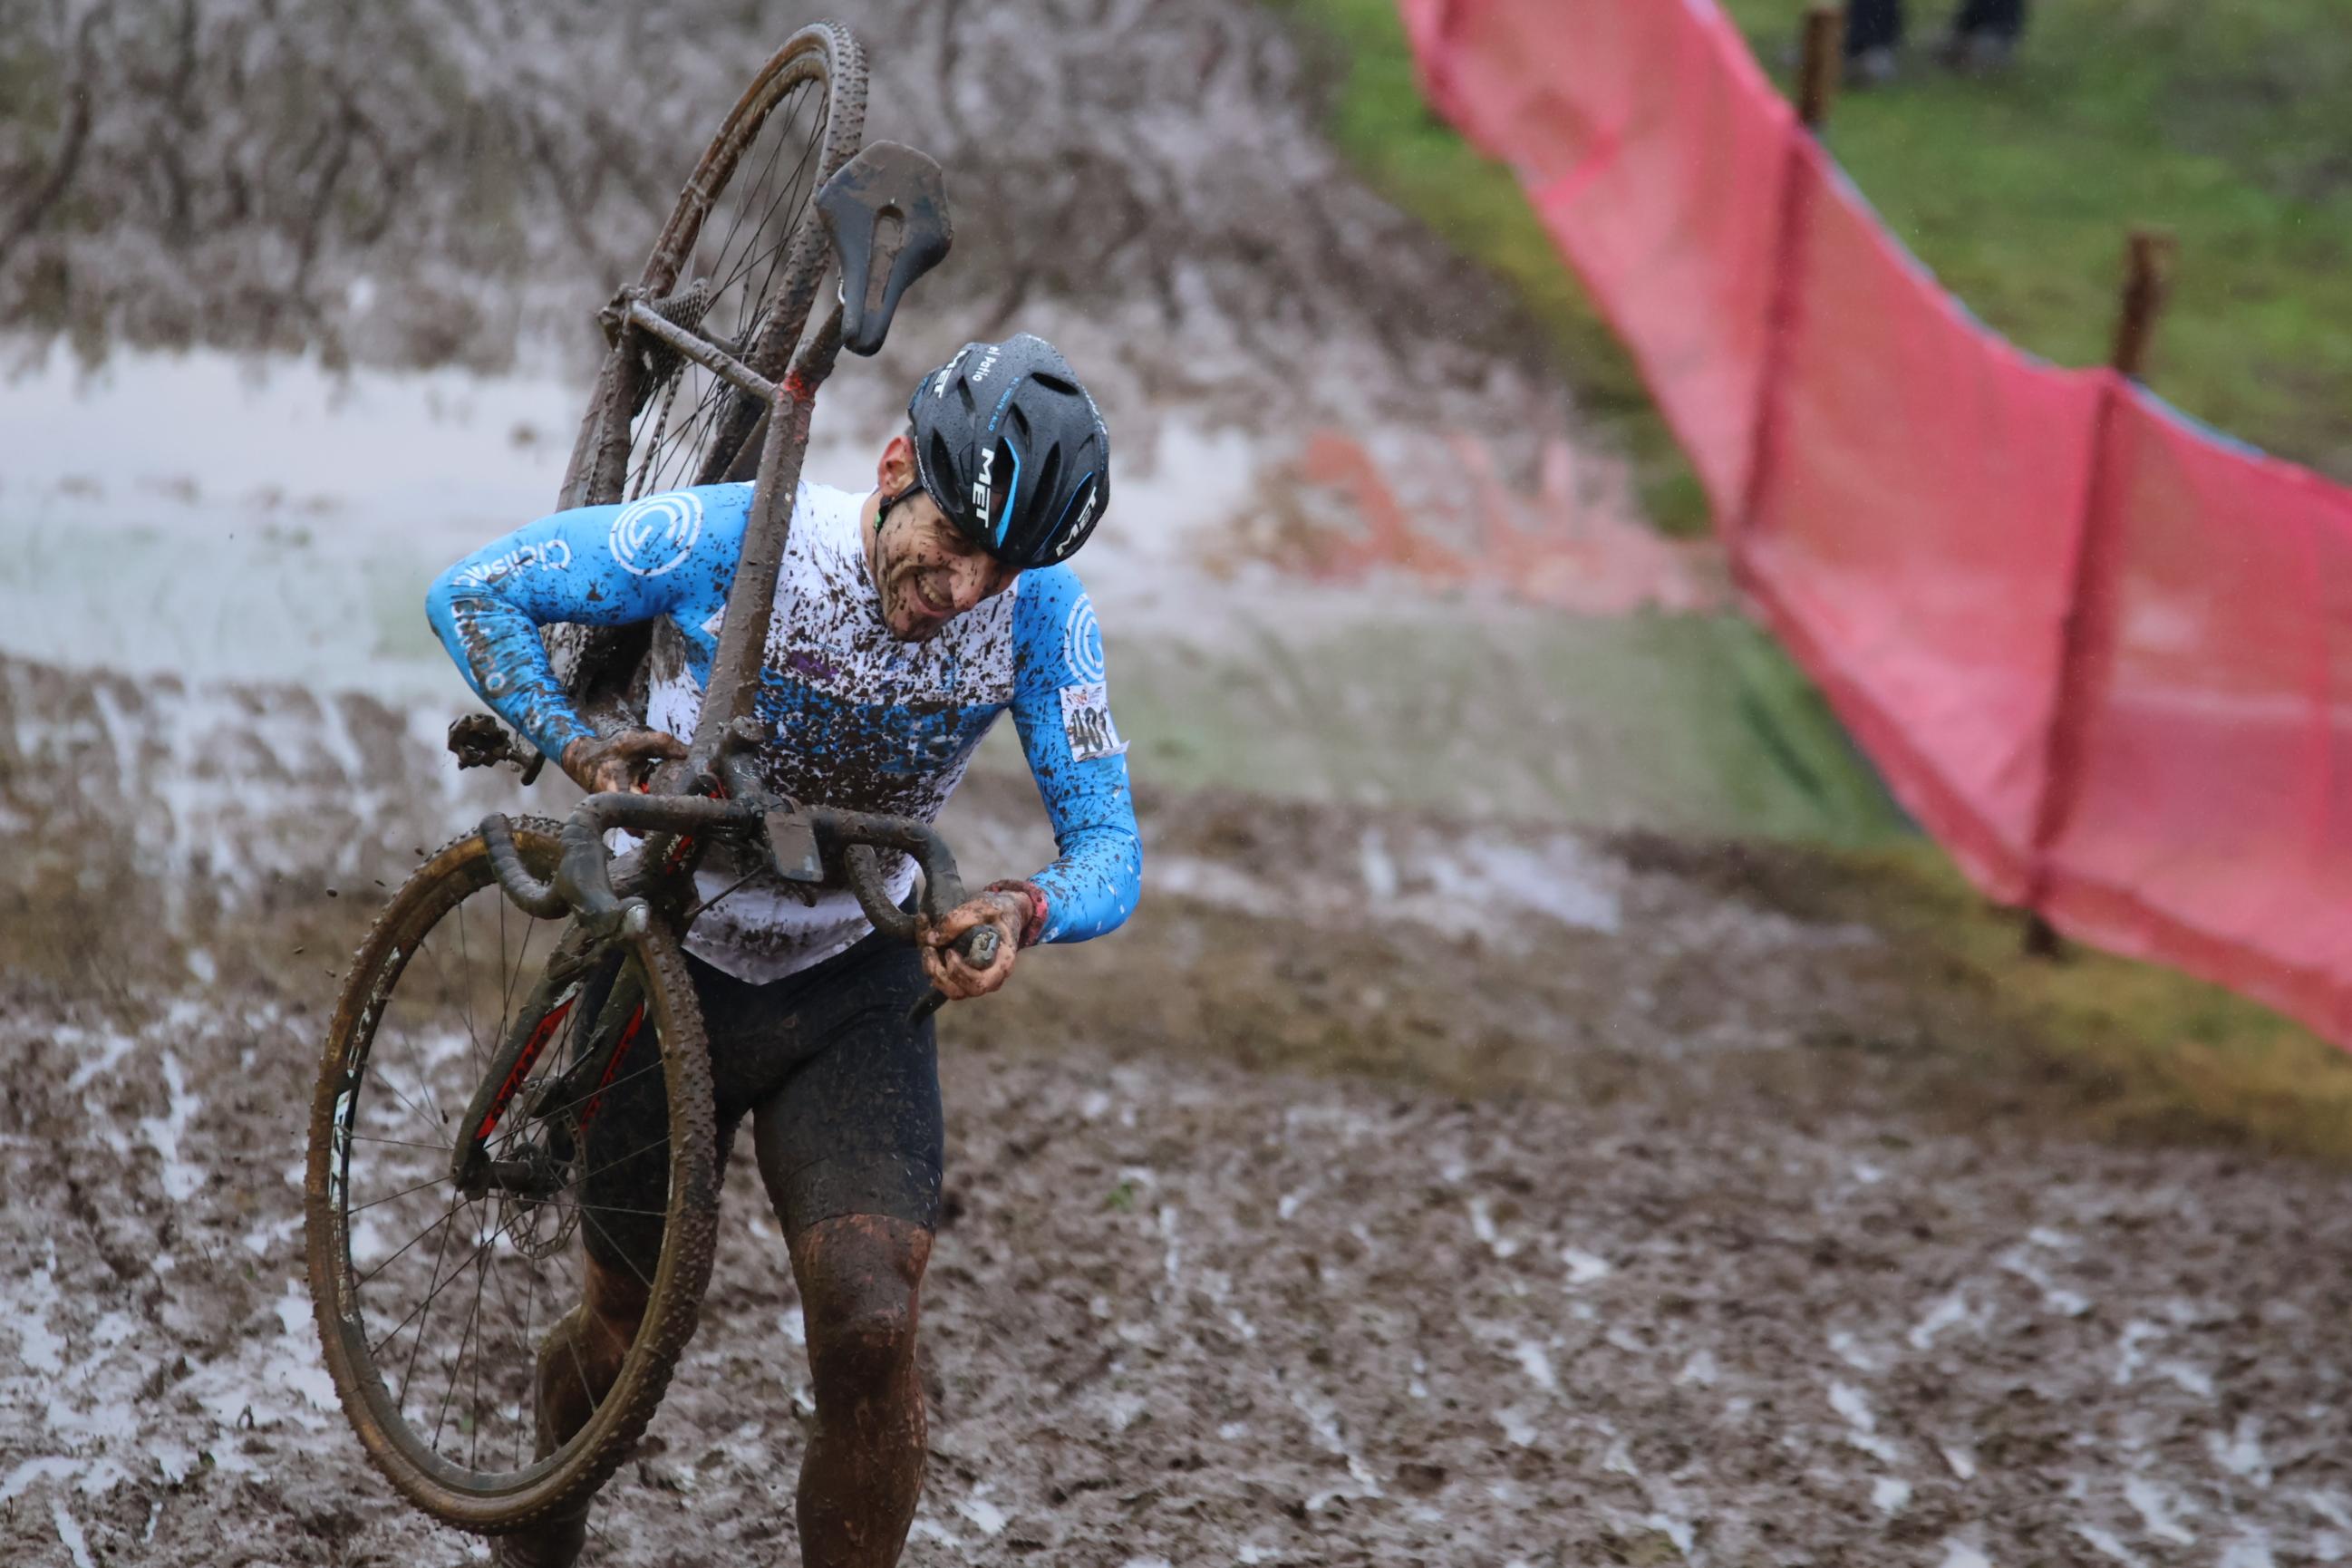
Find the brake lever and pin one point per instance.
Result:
(978, 947)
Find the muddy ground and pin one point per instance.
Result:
(1584, 1203)
(1571, 1211)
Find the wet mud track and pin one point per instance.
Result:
(1569, 1234)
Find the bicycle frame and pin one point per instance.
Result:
(885, 215)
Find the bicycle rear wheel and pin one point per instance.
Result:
(433, 1303)
(740, 260)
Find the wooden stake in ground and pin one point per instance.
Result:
(1823, 51)
(2148, 282)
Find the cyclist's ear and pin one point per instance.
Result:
(896, 471)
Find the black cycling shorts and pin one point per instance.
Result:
(843, 1098)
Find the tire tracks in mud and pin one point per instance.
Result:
(1616, 1229)
(1189, 1312)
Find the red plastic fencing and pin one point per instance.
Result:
(2103, 655)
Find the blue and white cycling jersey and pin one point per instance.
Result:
(855, 719)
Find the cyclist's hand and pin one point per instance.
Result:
(598, 764)
(957, 979)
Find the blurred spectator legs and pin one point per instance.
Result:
(1984, 34)
(1873, 31)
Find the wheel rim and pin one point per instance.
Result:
(756, 249)
(440, 1300)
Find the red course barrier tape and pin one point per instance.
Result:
(2103, 654)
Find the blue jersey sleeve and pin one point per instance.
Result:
(1061, 706)
(669, 555)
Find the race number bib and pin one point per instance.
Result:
(1086, 719)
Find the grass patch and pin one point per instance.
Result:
(1687, 723)
(2087, 1043)
(2225, 123)
(1380, 122)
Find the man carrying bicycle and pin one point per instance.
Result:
(906, 621)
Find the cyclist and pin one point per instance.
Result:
(906, 621)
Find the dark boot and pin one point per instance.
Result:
(552, 1543)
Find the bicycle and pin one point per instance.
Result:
(464, 1094)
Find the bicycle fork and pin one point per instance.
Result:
(584, 978)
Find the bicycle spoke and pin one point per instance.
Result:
(732, 888)
(401, 1144)
(775, 153)
(582, 1181)
(522, 962)
(672, 451)
(426, 1304)
(777, 253)
(617, 1247)
(425, 1307)
(792, 182)
(391, 1197)
(506, 976)
(530, 1380)
(482, 1262)
(384, 1074)
(465, 1337)
(465, 979)
(446, 1214)
(465, 997)
(582, 1208)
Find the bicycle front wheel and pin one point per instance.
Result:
(434, 1301)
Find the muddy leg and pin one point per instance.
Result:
(577, 1365)
(584, 1352)
(860, 1277)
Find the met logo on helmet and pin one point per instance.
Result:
(979, 482)
(939, 382)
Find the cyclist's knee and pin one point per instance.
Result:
(862, 1353)
(860, 1278)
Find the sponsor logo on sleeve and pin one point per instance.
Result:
(555, 555)
(1082, 644)
(657, 534)
(1086, 719)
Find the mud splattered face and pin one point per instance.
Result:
(926, 572)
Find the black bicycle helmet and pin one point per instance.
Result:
(1013, 450)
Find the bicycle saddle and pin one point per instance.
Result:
(886, 211)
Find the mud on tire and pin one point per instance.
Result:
(405, 1041)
